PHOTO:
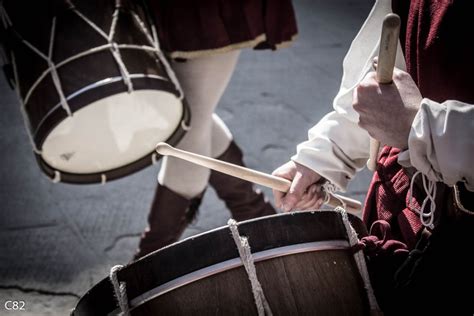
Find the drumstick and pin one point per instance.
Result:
(273, 182)
(385, 65)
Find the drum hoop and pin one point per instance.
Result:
(233, 264)
(92, 86)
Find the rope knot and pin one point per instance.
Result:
(380, 240)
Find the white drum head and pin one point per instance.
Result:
(112, 132)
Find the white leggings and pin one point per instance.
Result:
(203, 81)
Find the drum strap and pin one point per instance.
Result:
(245, 254)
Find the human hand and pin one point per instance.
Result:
(386, 111)
(305, 191)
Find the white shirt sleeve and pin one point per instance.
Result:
(441, 143)
(337, 147)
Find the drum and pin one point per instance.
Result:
(303, 262)
(96, 92)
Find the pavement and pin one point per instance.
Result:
(58, 240)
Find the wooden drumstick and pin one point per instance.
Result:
(385, 65)
(273, 182)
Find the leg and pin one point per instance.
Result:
(203, 81)
(241, 198)
(181, 184)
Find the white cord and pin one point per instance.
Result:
(457, 200)
(57, 177)
(161, 57)
(245, 254)
(26, 119)
(103, 179)
(80, 55)
(54, 73)
(113, 46)
(329, 188)
(426, 218)
(185, 127)
(154, 158)
(52, 67)
(359, 258)
(120, 291)
(4, 16)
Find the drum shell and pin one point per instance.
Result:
(85, 79)
(332, 286)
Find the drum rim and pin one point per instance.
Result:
(50, 121)
(115, 173)
(104, 290)
(85, 89)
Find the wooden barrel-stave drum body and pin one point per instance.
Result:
(303, 262)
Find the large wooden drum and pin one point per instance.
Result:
(303, 262)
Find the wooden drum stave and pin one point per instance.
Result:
(303, 262)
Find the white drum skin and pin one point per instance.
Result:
(112, 132)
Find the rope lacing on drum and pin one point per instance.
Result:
(154, 158)
(103, 179)
(120, 291)
(359, 258)
(57, 177)
(4, 16)
(113, 46)
(426, 218)
(184, 126)
(51, 66)
(153, 40)
(54, 72)
(245, 254)
(26, 119)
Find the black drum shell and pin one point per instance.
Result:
(73, 36)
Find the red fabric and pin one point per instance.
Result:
(439, 50)
(387, 201)
(190, 25)
(381, 241)
(439, 53)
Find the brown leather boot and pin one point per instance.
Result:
(240, 197)
(169, 216)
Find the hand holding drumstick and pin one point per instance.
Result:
(386, 110)
(276, 183)
(305, 190)
(388, 99)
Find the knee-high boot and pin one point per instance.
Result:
(240, 197)
(169, 216)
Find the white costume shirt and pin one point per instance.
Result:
(441, 140)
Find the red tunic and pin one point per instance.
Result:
(440, 58)
(439, 52)
(192, 28)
